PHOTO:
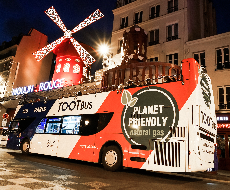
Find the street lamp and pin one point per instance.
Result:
(104, 50)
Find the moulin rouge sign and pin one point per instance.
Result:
(42, 87)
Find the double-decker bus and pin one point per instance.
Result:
(168, 126)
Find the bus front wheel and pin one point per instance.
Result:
(111, 158)
(25, 146)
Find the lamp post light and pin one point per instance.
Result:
(104, 51)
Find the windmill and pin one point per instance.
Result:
(72, 61)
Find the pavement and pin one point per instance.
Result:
(220, 176)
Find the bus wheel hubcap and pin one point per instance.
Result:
(25, 146)
(111, 158)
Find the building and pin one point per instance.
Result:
(169, 25)
(213, 53)
(179, 29)
(19, 68)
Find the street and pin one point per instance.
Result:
(18, 171)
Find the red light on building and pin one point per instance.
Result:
(223, 126)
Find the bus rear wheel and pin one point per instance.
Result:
(111, 158)
(25, 146)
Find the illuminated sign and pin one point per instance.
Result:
(42, 87)
(23, 90)
(51, 84)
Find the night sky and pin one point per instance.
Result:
(18, 16)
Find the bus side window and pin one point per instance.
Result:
(88, 124)
(41, 127)
(71, 125)
(53, 125)
(103, 121)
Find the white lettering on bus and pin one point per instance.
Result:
(154, 109)
(148, 121)
(39, 109)
(158, 133)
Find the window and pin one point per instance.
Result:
(93, 123)
(20, 125)
(87, 124)
(154, 37)
(71, 125)
(120, 42)
(138, 17)
(154, 12)
(154, 59)
(224, 97)
(200, 58)
(172, 32)
(58, 70)
(41, 127)
(222, 58)
(53, 125)
(66, 67)
(172, 58)
(124, 22)
(172, 6)
(76, 68)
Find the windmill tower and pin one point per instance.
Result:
(72, 61)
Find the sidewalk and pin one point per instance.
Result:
(222, 176)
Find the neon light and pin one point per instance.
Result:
(219, 126)
(66, 67)
(47, 49)
(92, 18)
(76, 68)
(85, 71)
(52, 13)
(23, 90)
(58, 70)
(42, 87)
(85, 56)
(51, 85)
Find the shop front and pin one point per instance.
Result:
(223, 140)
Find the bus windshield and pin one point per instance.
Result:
(20, 125)
(14, 126)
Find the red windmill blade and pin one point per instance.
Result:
(85, 56)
